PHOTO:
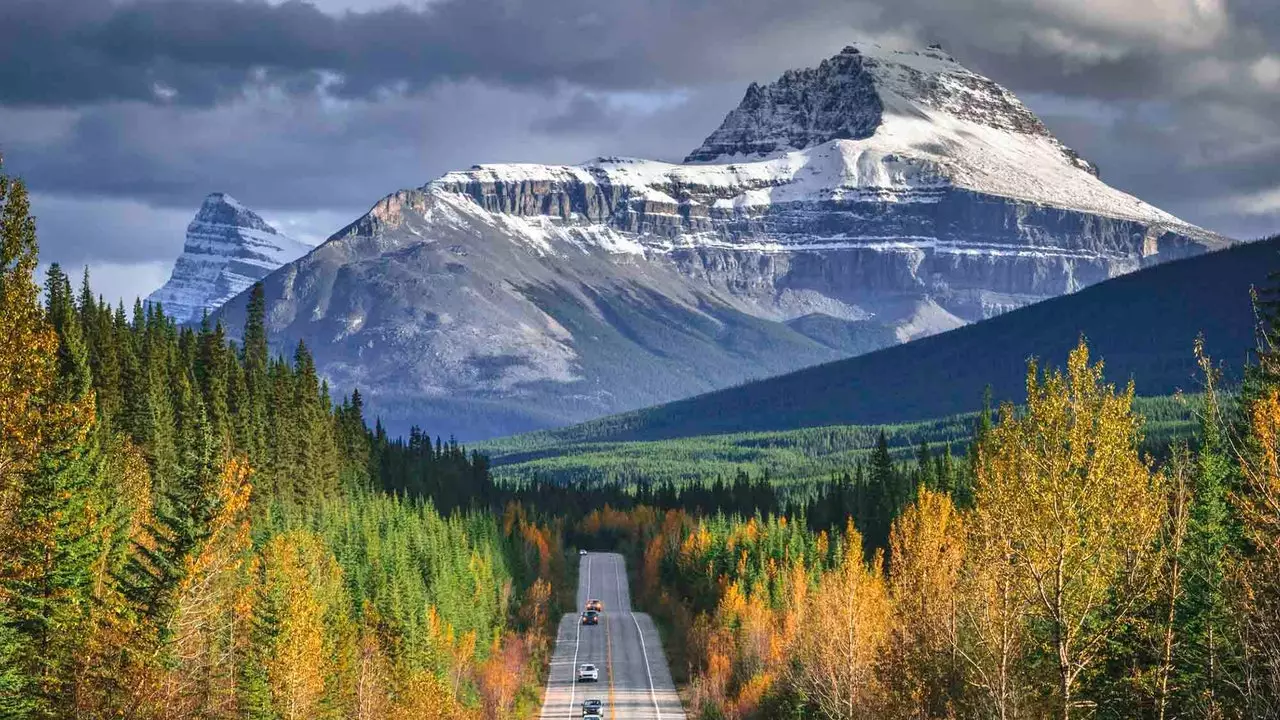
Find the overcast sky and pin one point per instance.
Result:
(122, 115)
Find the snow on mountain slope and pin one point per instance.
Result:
(228, 248)
(934, 125)
(880, 197)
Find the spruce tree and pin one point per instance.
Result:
(1207, 658)
(258, 387)
(883, 488)
(211, 374)
(52, 531)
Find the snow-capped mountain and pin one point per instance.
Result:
(879, 197)
(228, 248)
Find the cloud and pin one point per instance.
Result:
(203, 52)
(75, 231)
(1266, 202)
(283, 153)
(124, 113)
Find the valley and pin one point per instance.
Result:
(886, 393)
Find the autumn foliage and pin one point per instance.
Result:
(1059, 588)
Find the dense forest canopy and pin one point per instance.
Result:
(195, 528)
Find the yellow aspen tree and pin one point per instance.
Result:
(303, 584)
(792, 614)
(845, 632)
(535, 612)
(462, 659)
(421, 697)
(927, 547)
(1063, 488)
(205, 628)
(650, 578)
(755, 635)
(373, 684)
(993, 612)
(502, 673)
(1259, 504)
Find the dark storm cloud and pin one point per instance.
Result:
(296, 154)
(293, 108)
(202, 51)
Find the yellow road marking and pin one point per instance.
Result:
(608, 653)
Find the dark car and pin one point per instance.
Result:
(591, 617)
(591, 707)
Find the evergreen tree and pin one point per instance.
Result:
(52, 529)
(211, 374)
(882, 486)
(256, 360)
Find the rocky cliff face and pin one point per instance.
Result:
(877, 198)
(228, 248)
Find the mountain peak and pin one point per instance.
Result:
(219, 208)
(228, 247)
(855, 93)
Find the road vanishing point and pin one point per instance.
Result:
(635, 681)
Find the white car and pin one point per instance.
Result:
(582, 552)
(592, 717)
(588, 673)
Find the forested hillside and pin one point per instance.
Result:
(785, 457)
(193, 529)
(1143, 324)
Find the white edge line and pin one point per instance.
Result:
(546, 694)
(573, 671)
(652, 694)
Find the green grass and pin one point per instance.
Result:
(790, 456)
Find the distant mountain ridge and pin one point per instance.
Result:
(880, 197)
(228, 247)
(1142, 326)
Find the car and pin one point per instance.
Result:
(588, 673)
(582, 552)
(595, 605)
(591, 708)
(591, 617)
(592, 717)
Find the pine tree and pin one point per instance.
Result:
(211, 374)
(27, 344)
(882, 486)
(1206, 658)
(256, 360)
(46, 571)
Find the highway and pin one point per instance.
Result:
(635, 682)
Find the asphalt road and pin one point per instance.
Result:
(635, 682)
